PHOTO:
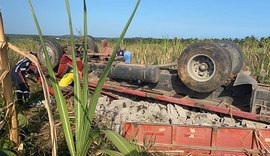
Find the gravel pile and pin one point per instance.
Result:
(114, 113)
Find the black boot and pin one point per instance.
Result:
(26, 97)
(19, 100)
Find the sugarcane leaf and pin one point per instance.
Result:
(111, 153)
(121, 143)
(61, 103)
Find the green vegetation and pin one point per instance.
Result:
(84, 105)
(162, 51)
(77, 132)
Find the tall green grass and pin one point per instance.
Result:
(152, 51)
(84, 108)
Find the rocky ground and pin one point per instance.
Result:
(116, 112)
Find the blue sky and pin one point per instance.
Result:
(154, 18)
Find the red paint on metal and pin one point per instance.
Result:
(66, 62)
(186, 102)
(199, 139)
(63, 65)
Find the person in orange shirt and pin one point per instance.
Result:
(107, 51)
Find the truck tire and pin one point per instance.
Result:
(91, 44)
(236, 55)
(54, 50)
(203, 67)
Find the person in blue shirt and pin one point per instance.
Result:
(127, 56)
(123, 55)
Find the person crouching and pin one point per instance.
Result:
(18, 78)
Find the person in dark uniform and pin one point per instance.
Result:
(119, 55)
(123, 55)
(18, 78)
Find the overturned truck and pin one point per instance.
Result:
(207, 76)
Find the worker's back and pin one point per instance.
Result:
(127, 56)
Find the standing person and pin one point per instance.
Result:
(106, 50)
(18, 74)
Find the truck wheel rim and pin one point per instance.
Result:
(201, 68)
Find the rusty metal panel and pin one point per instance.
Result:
(261, 139)
(197, 140)
(195, 135)
(146, 133)
(192, 136)
(233, 138)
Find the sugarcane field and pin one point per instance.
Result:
(91, 89)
